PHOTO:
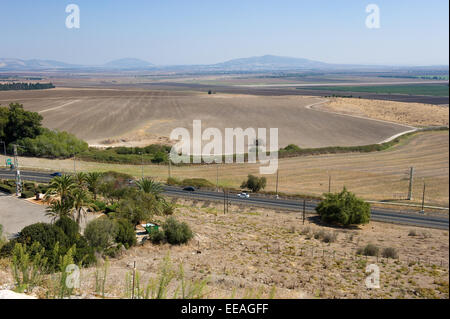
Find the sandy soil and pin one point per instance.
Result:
(138, 117)
(415, 114)
(252, 249)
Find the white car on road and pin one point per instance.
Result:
(243, 195)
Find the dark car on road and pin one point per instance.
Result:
(189, 189)
(56, 174)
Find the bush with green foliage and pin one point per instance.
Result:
(125, 233)
(17, 124)
(60, 236)
(69, 227)
(46, 234)
(254, 183)
(7, 189)
(177, 233)
(101, 233)
(27, 194)
(28, 264)
(99, 206)
(343, 208)
(157, 237)
(52, 144)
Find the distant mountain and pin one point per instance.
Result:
(128, 63)
(252, 64)
(18, 64)
(42, 65)
(270, 62)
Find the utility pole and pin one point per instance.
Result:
(16, 166)
(304, 211)
(4, 151)
(224, 202)
(217, 177)
(423, 199)
(276, 188)
(411, 174)
(329, 183)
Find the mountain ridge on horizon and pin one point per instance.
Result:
(255, 63)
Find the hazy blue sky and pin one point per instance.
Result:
(413, 32)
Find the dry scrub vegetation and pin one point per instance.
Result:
(415, 114)
(249, 251)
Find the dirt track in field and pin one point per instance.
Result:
(140, 117)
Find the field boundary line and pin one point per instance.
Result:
(411, 128)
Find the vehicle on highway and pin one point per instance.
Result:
(243, 195)
(189, 189)
(56, 174)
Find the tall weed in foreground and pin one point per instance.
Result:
(100, 278)
(158, 287)
(28, 266)
(63, 283)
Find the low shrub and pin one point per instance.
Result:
(390, 252)
(7, 189)
(99, 206)
(368, 250)
(254, 183)
(173, 181)
(177, 233)
(125, 233)
(343, 208)
(69, 227)
(27, 194)
(101, 233)
(111, 208)
(157, 237)
(412, 232)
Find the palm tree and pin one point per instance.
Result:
(80, 179)
(59, 208)
(60, 186)
(149, 186)
(80, 200)
(93, 182)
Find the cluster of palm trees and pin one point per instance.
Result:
(70, 196)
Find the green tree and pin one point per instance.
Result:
(139, 208)
(60, 186)
(344, 208)
(254, 183)
(80, 200)
(149, 186)
(59, 208)
(93, 183)
(101, 233)
(21, 124)
(80, 179)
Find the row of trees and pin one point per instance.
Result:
(25, 86)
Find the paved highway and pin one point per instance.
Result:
(378, 214)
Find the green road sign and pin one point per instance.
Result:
(8, 161)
